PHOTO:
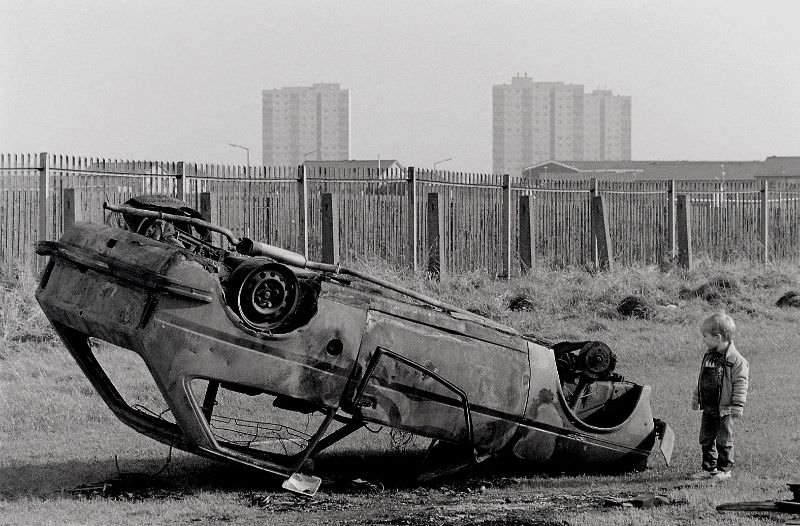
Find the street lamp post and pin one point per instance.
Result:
(245, 148)
(440, 162)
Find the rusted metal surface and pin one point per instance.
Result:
(322, 341)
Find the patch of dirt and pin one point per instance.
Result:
(483, 501)
(404, 521)
(489, 509)
(475, 502)
(284, 502)
(516, 521)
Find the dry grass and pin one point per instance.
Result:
(56, 433)
(21, 319)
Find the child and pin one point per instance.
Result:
(721, 393)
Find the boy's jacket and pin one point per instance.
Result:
(734, 382)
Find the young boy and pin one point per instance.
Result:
(721, 393)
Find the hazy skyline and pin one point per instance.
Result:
(180, 80)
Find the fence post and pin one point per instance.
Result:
(506, 226)
(180, 181)
(330, 229)
(412, 235)
(601, 234)
(526, 229)
(765, 218)
(435, 233)
(72, 210)
(684, 231)
(208, 209)
(595, 191)
(673, 241)
(44, 194)
(302, 217)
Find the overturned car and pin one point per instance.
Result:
(323, 339)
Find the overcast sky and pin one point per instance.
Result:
(158, 80)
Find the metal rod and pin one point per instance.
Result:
(125, 209)
(253, 248)
(210, 399)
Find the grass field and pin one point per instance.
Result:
(56, 434)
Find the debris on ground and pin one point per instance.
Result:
(645, 501)
(515, 521)
(127, 487)
(366, 486)
(759, 505)
(281, 503)
(507, 520)
(786, 506)
(794, 487)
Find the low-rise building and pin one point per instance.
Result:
(771, 167)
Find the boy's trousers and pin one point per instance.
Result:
(716, 441)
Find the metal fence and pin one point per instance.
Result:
(472, 220)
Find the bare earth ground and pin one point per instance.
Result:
(56, 435)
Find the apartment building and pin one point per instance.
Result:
(305, 123)
(534, 122)
(606, 127)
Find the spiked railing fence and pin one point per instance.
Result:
(445, 221)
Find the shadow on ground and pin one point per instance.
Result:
(188, 474)
(341, 472)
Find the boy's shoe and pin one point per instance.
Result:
(722, 475)
(703, 474)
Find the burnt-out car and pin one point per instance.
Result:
(322, 339)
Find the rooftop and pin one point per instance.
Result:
(659, 170)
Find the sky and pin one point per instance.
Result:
(180, 80)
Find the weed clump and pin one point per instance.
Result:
(668, 263)
(790, 299)
(21, 319)
(636, 306)
(596, 326)
(519, 302)
(769, 279)
(716, 290)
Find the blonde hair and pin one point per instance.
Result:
(719, 324)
